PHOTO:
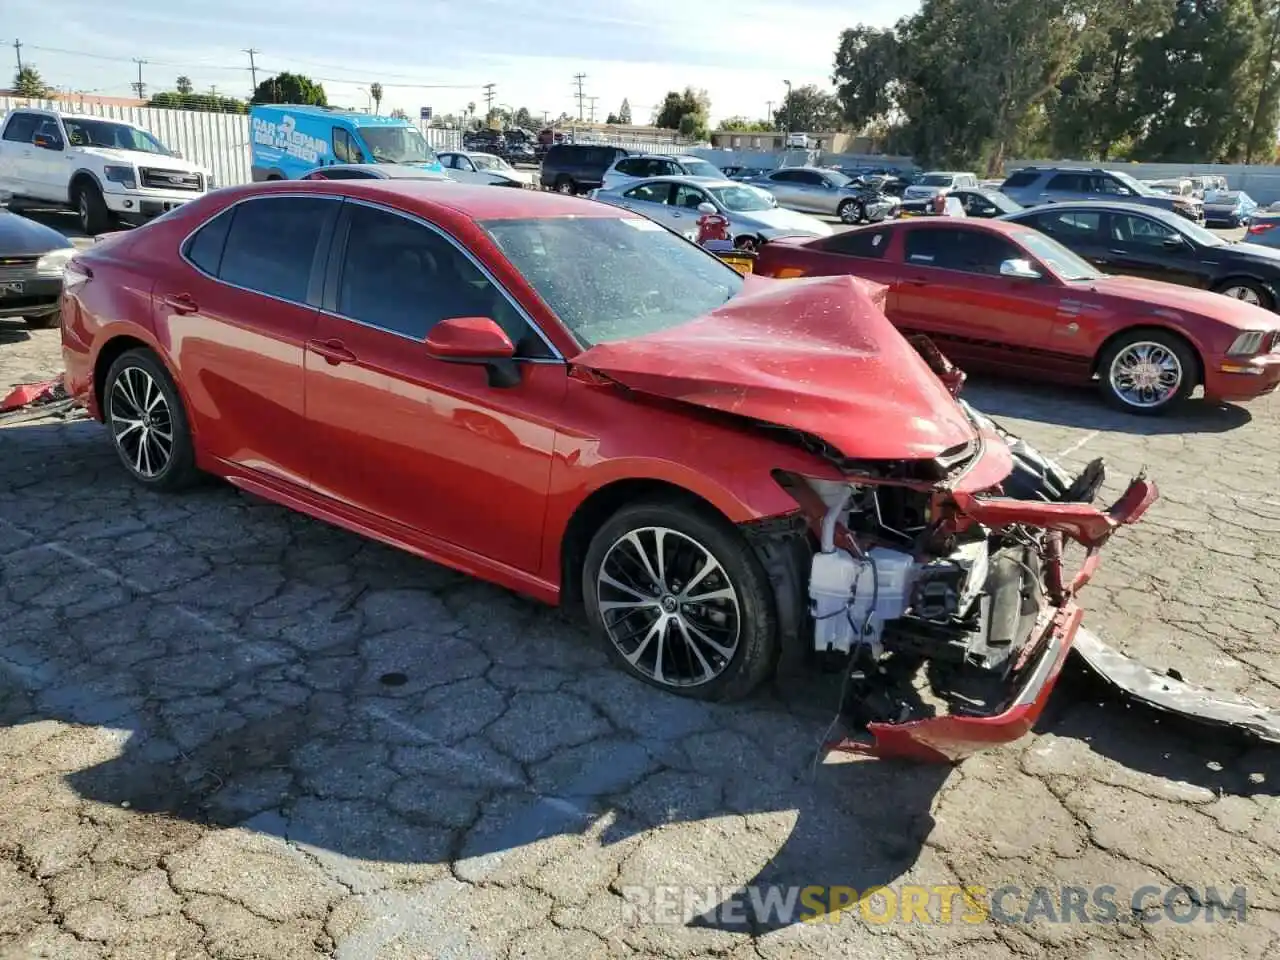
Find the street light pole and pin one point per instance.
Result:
(786, 106)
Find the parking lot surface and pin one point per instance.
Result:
(228, 731)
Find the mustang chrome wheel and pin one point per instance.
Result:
(1146, 374)
(669, 607)
(141, 422)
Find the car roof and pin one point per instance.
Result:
(1102, 205)
(432, 197)
(1006, 225)
(357, 117)
(686, 178)
(471, 153)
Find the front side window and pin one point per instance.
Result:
(1141, 231)
(271, 244)
(342, 146)
(614, 278)
(871, 244)
(690, 197)
(971, 251)
(403, 277)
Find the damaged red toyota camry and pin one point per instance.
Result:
(580, 405)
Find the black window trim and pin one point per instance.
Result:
(333, 265)
(922, 229)
(323, 244)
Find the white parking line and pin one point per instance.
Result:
(1078, 444)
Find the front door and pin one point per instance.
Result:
(415, 441)
(1141, 246)
(950, 288)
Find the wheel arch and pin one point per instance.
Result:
(122, 343)
(1138, 328)
(83, 175)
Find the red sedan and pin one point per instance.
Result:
(1005, 298)
(580, 405)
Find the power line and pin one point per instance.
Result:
(578, 78)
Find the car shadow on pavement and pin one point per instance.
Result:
(226, 663)
(13, 332)
(1083, 408)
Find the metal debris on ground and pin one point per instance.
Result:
(46, 398)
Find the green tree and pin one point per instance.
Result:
(611, 120)
(203, 102)
(743, 125)
(375, 92)
(624, 112)
(868, 73)
(27, 82)
(675, 107)
(290, 88)
(1198, 83)
(807, 108)
(523, 118)
(184, 85)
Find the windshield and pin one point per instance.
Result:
(1206, 238)
(1138, 188)
(610, 278)
(700, 168)
(741, 199)
(116, 136)
(1057, 257)
(936, 180)
(397, 145)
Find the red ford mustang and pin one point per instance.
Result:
(1005, 298)
(580, 405)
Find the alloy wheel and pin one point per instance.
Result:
(141, 422)
(1240, 292)
(669, 607)
(82, 205)
(1146, 374)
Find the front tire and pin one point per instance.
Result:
(849, 212)
(1147, 372)
(149, 428)
(91, 209)
(679, 601)
(566, 185)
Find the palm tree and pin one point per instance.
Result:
(375, 91)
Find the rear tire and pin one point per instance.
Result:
(1248, 291)
(1163, 360)
(143, 409)
(701, 621)
(566, 185)
(91, 209)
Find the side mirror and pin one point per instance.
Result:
(475, 340)
(46, 143)
(1019, 270)
(1172, 243)
(707, 208)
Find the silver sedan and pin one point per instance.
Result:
(828, 192)
(678, 202)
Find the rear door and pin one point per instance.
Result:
(950, 288)
(236, 316)
(16, 152)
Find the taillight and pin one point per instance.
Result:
(1261, 227)
(788, 273)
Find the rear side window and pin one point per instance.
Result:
(1069, 182)
(272, 244)
(1020, 178)
(1080, 226)
(633, 168)
(870, 244)
(21, 127)
(204, 249)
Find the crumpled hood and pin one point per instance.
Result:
(812, 354)
(1156, 296)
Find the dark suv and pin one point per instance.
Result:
(1034, 186)
(578, 167)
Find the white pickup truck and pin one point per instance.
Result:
(107, 171)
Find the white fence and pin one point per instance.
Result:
(219, 141)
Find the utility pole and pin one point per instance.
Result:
(546, 117)
(253, 67)
(593, 108)
(768, 115)
(787, 103)
(140, 86)
(488, 99)
(578, 78)
(17, 51)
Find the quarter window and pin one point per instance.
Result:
(271, 245)
(22, 127)
(403, 277)
(204, 249)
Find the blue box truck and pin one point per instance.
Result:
(288, 141)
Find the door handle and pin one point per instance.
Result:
(915, 281)
(333, 351)
(181, 303)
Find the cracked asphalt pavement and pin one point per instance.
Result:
(227, 731)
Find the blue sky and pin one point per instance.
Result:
(440, 54)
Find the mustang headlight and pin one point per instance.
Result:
(53, 262)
